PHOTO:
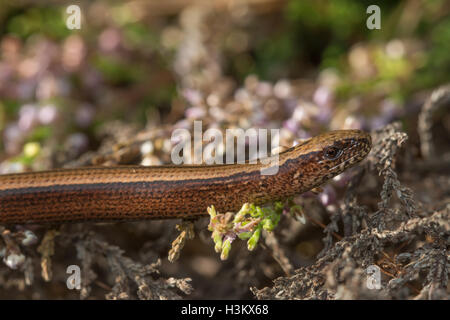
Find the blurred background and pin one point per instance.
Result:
(112, 91)
(149, 62)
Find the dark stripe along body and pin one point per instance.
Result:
(135, 193)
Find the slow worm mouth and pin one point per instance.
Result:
(344, 164)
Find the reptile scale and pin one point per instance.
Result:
(135, 193)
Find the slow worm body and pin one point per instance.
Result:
(135, 193)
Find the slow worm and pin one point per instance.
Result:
(135, 193)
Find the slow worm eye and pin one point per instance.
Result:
(332, 153)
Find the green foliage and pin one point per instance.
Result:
(10, 107)
(247, 225)
(30, 152)
(40, 133)
(139, 36)
(48, 21)
(311, 31)
(274, 54)
(117, 71)
(437, 68)
(342, 18)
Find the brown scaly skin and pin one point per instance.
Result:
(135, 193)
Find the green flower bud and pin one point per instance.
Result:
(253, 241)
(225, 249)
